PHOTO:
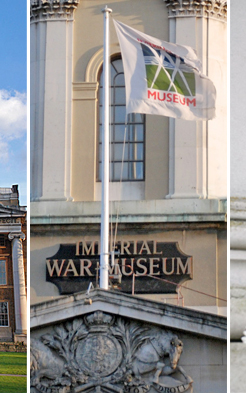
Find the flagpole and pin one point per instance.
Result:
(104, 253)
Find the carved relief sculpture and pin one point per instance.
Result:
(103, 353)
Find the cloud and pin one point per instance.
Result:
(3, 151)
(13, 118)
(12, 114)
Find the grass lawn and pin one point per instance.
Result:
(13, 384)
(12, 363)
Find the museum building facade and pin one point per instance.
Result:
(167, 205)
(13, 267)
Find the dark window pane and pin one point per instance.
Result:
(100, 171)
(118, 65)
(3, 314)
(120, 114)
(135, 118)
(119, 80)
(119, 133)
(136, 133)
(113, 72)
(100, 152)
(118, 151)
(3, 273)
(136, 170)
(118, 169)
(120, 96)
(133, 134)
(136, 151)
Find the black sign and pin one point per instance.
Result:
(148, 266)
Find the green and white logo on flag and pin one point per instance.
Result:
(165, 71)
(163, 78)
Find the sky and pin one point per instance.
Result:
(13, 91)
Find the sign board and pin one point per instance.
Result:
(151, 266)
(10, 220)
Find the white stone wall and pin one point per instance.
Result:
(238, 174)
(66, 55)
(238, 194)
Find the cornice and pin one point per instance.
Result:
(203, 8)
(42, 10)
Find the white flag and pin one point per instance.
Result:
(163, 78)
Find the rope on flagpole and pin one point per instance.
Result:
(121, 176)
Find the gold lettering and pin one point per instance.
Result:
(77, 247)
(71, 268)
(114, 269)
(55, 266)
(186, 269)
(125, 246)
(152, 266)
(145, 247)
(141, 267)
(164, 266)
(86, 268)
(124, 267)
(90, 250)
(155, 248)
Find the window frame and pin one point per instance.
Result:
(2, 241)
(113, 143)
(1, 314)
(5, 268)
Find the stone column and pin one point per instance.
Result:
(197, 168)
(20, 297)
(51, 98)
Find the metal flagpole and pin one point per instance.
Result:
(104, 253)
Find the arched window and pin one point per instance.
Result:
(134, 137)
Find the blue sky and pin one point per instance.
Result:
(13, 141)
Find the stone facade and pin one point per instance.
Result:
(185, 175)
(180, 200)
(13, 257)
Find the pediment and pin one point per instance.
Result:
(124, 305)
(116, 343)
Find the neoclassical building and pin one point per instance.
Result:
(167, 201)
(13, 267)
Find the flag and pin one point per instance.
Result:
(163, 78)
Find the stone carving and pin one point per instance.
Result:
(43, 363)
(148, 357)
(107, 354)
(52, 9)
(207, 8)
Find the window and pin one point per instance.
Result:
(4, 320)
(134, 135)
(2, 241)
(3, 277)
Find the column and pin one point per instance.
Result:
(20, 297)
(196, 170)
(51, 97)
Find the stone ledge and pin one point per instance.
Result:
(167, 210)
(63, 308)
